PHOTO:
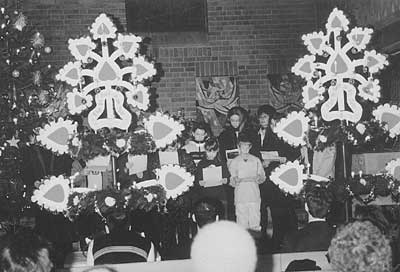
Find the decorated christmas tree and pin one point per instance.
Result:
(26, 90)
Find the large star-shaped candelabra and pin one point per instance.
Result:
(116, 70)
(339, 65)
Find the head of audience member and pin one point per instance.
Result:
(212, 148)
(199, 132)
(360, 246)
(206, 210)
(25, 251)
(118, 219)
(318, 202)
(237, 118)
(265, 114)
(244, 143)
(223, 246)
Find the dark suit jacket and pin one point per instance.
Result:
(315, 236)
(228, 140)
(271, 142)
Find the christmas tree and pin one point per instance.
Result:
(26, 87)
(26, 90)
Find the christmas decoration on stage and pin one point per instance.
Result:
(290, 177)
(293, 128)
(340, 80)
(56, 194)
(110, 82)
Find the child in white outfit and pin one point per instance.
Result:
(247, 173)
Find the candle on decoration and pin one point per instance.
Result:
(352, 174)
(308, 169)
(360, 173)
(118, 186)
(316, 121)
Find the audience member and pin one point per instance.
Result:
(317, 234)
(121, 244)
(247, 173)
(361, 247)
(223, 246)
(25, 251)
(207, 210)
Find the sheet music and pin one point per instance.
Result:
(212, 176)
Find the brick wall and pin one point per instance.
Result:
(247, 39)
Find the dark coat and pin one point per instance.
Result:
(228, 140)
(315, 236)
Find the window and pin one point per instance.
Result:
(166, 15)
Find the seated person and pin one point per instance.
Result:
(361, 247)
(317, 233)
(205, 211)
(25, 251)
(121, 244)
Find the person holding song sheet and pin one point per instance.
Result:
(247, 173)
(212, 174)
(195, 146)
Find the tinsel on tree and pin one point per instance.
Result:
(26, 87)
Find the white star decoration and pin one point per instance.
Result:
(336, 66)
(13, 142)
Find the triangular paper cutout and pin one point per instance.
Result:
(172, 181)
(60, 136)
(338, 65)
(358, 38)
(312, 93)
(78, 101)
(336, 23)
(290, 176)
(306, 67)
(294, 128)
(371, 61)
(140, 69)
(83, 49)
(390, 119)
(396, 173)
(126, 46)
(72, 74)
(107, 72)
(55, 194)
(316, 43)
(160, 130)
(103, 30)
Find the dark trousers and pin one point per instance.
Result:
(283, 215)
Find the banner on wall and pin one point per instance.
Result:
(214, 97)
(284, 92)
